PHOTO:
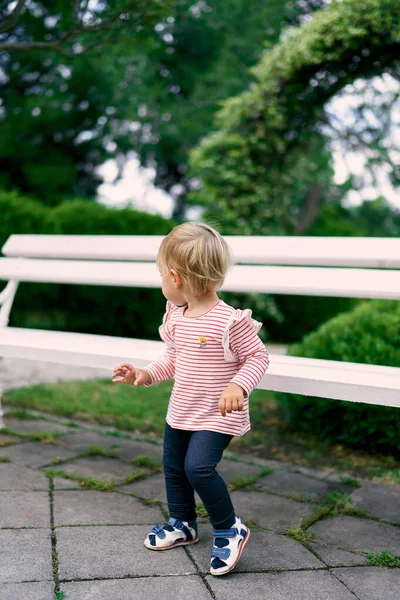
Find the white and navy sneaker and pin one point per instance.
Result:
(174, 533)
(228, 547)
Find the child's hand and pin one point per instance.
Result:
(129, 374)
(231, 399)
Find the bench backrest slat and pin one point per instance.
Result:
(313, 281)
(372, 252)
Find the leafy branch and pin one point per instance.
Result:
(132, 16)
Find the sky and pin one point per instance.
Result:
(136, 185)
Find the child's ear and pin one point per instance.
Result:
(177, 278)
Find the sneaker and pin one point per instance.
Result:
(174, 533)
(228, 547)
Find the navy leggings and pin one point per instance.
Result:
(189, 460)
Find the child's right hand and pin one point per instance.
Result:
(129, 374)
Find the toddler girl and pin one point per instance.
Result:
(216, 357)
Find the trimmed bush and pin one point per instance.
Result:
(369, 334)
(103, 310)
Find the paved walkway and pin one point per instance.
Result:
(74, 514)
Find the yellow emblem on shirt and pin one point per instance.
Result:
(203, 341)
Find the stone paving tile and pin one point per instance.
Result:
(154, 486)
(66, 484)
(338, 477)
(371, 583)
(272, 512)
(33, 425)
(334, 557)
(35, 590)
(25, 373)
(94, 508)
(98, 467)
(264, 550)
(81, 440)
(381, 501)
(309, 487)
(229, 470)
(25, 555)
(14, 477)
(256, 460)
(311, 471)
(151, 487)
(149, 588)
(357, 534)
(35, 454)
(299, 585)
(95, 552)
(24, 509)
(130, 449)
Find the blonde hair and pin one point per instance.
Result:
(198, 253)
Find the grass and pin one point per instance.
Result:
(142, 411)
(298, 534)
(4, 459)
(96, 450)
(90, 483)
(240, 482)
(334, 503)
(47, 437)
(22, 414)
(142, 460)
(99, 485)
(201, 511)
(100, 400)
(385, 558)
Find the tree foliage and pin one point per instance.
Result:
(93, 309)
(71, 28)
(255, 159)
(193, 61)
(369, 334)
(59, 72)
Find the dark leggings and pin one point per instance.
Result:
(189, 460)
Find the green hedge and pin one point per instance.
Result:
(119, 311)
(369, 334)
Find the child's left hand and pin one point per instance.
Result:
(231, 399)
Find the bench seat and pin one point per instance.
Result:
(312, 377)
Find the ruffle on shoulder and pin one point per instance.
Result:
(166, 329)
(237, 316)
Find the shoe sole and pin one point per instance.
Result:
(182, 543)
(242, 545)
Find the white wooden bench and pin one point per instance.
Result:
(317, 266)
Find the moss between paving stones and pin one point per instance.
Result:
(241, 482)
(385, 558)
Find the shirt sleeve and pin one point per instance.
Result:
(242, 342)
(163, 368)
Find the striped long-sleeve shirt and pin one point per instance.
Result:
(205, 354)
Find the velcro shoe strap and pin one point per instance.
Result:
(175, 523)
(221, 552)
(225, 533)
(187, 532)
(159, 531)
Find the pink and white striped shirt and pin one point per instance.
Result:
(205, 354)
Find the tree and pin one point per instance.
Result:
(250, 165)
(192, 62)
(73, 28)
(58, 92)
